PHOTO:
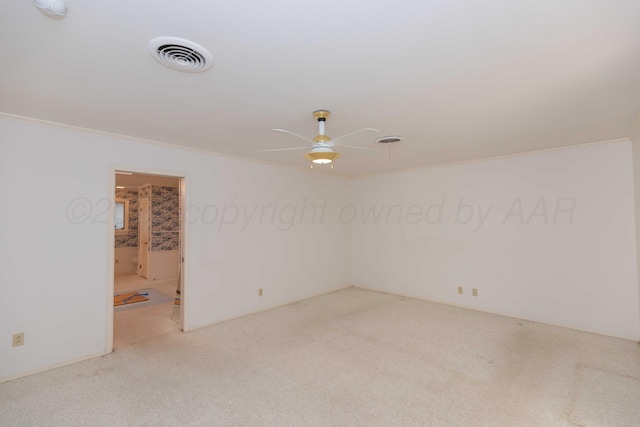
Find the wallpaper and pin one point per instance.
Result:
(129, 240)
(165, 218)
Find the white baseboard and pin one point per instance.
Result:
(267, 307)
(54, 366)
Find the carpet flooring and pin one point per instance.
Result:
(349, 358)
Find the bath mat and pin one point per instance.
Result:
(142, 298)
(129, 298)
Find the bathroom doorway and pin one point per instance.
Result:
(148, 256)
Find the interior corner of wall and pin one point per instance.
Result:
(634, 135)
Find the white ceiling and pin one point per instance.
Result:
(459, 80)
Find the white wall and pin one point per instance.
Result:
(163, 264)
(122, 261)
(576, 267)
(576, 270)
(635, 138)
(54, 237)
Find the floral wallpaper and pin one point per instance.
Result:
(129, 240)
(165, 218)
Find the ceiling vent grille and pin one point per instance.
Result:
(180, 54)
(389, 139)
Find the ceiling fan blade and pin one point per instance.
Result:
(359, 148)
(284, 149)
(294, 134)
(353, 133)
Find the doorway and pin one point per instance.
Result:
(147, 230)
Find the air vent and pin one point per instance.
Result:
(389, 139)
(180, 54)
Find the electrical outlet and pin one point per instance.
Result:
(474, 292)
(460, 290)
(260, 292)
(18, 339)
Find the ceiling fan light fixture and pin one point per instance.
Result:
(322, 146)
(322, 157)
(51, 7)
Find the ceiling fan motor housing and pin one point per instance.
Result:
(322, 138)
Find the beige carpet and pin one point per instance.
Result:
(352, 357)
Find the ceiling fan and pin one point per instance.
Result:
(322, 146)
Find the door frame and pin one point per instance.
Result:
(142, 212)
(184, 268)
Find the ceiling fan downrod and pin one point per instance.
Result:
(321, 116)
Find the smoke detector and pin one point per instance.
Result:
(51, 7)
(389, 139)
(180, 54)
